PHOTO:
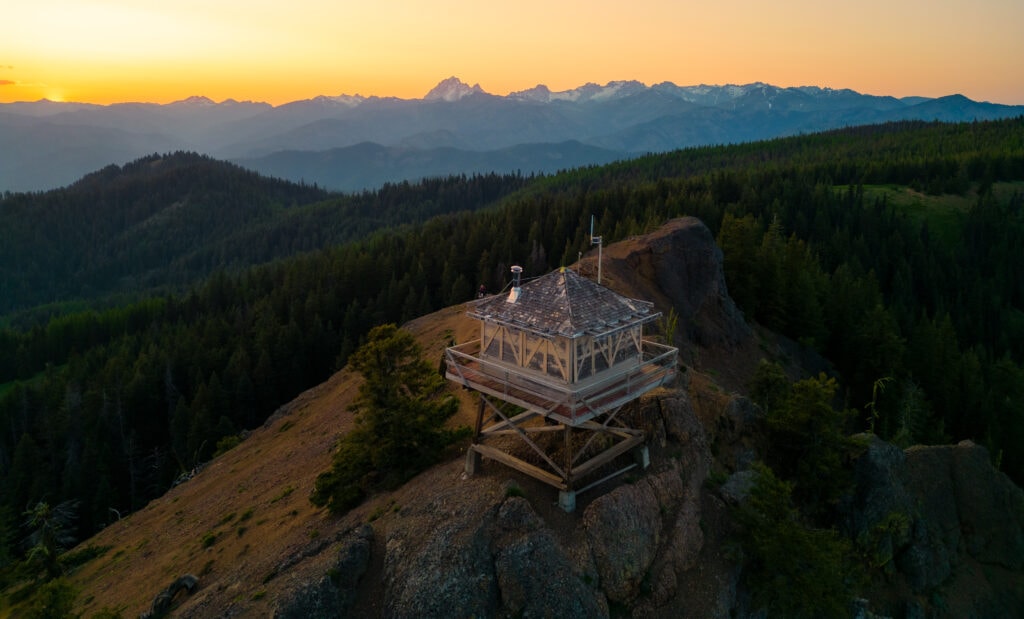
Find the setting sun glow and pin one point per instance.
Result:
(106, 51)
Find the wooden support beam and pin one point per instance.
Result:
(601, 428)
(526, 439)
(518, 419)
(616, 430)
(527, 430)
(607, 455)
(512, 399)
(523, 467)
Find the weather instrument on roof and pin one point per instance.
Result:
(567, 354)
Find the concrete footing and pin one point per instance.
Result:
(643, 457)
(472, 461)
(567, 500)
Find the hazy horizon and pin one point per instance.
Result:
(110, 51)
(199, 95)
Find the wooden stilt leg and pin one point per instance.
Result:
(568, 457)
(479, 418)
(472, 455)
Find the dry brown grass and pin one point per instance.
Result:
(248, 511)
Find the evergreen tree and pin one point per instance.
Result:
(54, 600)
(739, 240)
(794, 570)
(809, 443)
(51, 534)
(770, 386)
(400, 411)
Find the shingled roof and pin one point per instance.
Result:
(563, 303)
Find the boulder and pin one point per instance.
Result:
(535, 577)
(990, 508)
(442, 568)
(624, 529)
(737, 488)
(334, 594)
(314, 599)
(353, 559)
(643, 535)
(879, 511)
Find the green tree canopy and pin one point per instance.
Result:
(809, 442)
(50, 534)
(793, 570)
(400, 411)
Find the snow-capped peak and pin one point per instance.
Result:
(345, 101)
(587, 92)
(452, 89)
(196, 101)
(539, 93)
(618, 89)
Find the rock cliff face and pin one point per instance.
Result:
(679, 266)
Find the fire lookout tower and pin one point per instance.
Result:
(568, 353)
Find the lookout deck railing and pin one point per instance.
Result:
(573, 404)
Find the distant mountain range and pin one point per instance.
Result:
(351, 142)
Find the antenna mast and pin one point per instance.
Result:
(596, 240)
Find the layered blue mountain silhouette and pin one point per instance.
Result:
(352, 142)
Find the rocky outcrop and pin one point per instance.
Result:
(439, 563)
(522, 544)
(493, 557)
(877, 513)
(625, 529)
(945, 526)
(682, 262)
(481, 548)
(944, 521)
(335, 593)
(990, 508)
(164, 601)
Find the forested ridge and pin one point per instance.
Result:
(163, 222)
(919, 309)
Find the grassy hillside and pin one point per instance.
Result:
(241, 517)
(943, 213)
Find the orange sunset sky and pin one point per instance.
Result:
(106, 51)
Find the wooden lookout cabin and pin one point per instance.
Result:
(568, 354)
